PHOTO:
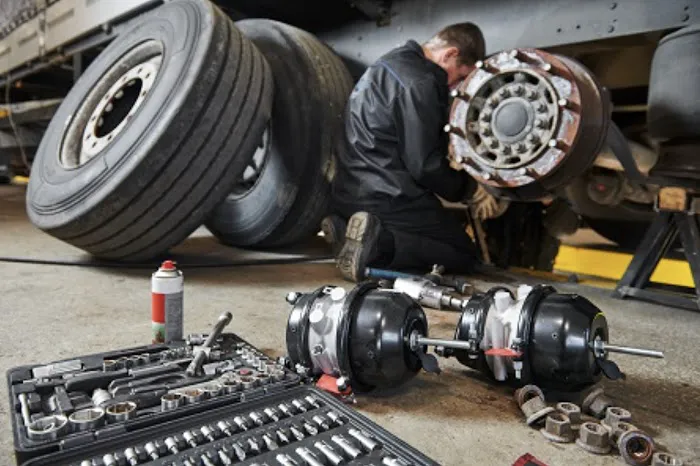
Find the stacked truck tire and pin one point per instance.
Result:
(190, 119)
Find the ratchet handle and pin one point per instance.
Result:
(200, 356)
(90, 382)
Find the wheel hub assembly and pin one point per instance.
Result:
(526, 121)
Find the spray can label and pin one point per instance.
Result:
(167, 300)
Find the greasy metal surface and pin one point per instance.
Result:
(510, 23)
(452, 416)
(552, 89)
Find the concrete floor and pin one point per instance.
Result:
(457, 418)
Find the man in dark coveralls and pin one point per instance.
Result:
(386, 212)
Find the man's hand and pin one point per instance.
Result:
(484, 205)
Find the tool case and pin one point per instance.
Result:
(137, 406)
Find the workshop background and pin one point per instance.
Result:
(205, 133)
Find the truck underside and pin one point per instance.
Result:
(43, 52)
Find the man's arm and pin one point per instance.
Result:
(422, 113)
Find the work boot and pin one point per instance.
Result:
(361, 246)
(333, 228)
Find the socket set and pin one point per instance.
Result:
(298, 426)
(67, 404)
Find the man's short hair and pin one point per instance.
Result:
(468, 39)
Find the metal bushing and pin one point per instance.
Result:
(665, 459)
(535, 410)
(523, 115)
(528, 392)
(193, 395)
(594, 438)
(619, 429)
(613, 415)
(121, 411)
(596, 403)
(87, 419)
(171, 401)
(47, 428)
(558, 428)
(636, 447)
(572, 411)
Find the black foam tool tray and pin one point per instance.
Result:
(294, 427)
(235, 371)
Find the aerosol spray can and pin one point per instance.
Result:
(167, 287)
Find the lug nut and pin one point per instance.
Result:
(558, 428)
(619, 429)
(457, 94)
(559, 144)
(594, 438)
(613, 415)
(486, 66)
(533, 139)
(636, 447)
(535, 410)
(571, 410)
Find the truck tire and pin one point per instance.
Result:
(674, 95)
(146, 143)
(285, 200)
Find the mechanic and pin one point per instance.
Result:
(385, 209)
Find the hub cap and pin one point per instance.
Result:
(516, 114)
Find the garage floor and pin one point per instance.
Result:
(457, 418)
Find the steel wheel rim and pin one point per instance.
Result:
(252, 174)
(115, 99)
